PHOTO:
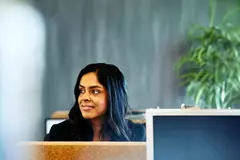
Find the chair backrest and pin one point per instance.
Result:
(60, 115)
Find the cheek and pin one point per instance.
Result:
(79, 99)
(102, 103)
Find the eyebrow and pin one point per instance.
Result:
(91, 87)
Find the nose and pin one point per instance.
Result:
(84, 97)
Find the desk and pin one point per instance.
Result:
(84, 150)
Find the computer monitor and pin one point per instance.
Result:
(177, 134)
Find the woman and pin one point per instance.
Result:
(100, 108)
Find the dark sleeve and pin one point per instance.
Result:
(46, 138)
(59, 132)
(54, 134)
(138, 132)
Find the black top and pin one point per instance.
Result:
(64, 132)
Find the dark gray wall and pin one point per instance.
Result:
(142, 37)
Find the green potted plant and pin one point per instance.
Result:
(210, 69)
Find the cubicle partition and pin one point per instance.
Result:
(83, 150)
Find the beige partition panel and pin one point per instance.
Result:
(64, 115)
(84, 150)
(60, 114)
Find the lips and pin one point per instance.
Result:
(87, 107)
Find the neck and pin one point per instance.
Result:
(96, 126)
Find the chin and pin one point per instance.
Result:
(88, 116)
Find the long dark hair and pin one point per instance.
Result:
(115, 124)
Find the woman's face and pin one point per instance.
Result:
(92, 99)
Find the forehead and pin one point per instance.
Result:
(89, 79)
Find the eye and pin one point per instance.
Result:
(81, 91)
(95, 91)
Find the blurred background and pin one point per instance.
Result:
(44, 44)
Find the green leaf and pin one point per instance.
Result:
(199, 94)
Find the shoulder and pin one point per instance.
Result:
(60, 132)
(63, 126)
(138, 131)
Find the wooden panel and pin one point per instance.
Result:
(60, 114)
(64, 113)
(84, 150)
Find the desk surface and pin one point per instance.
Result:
(84, 150)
